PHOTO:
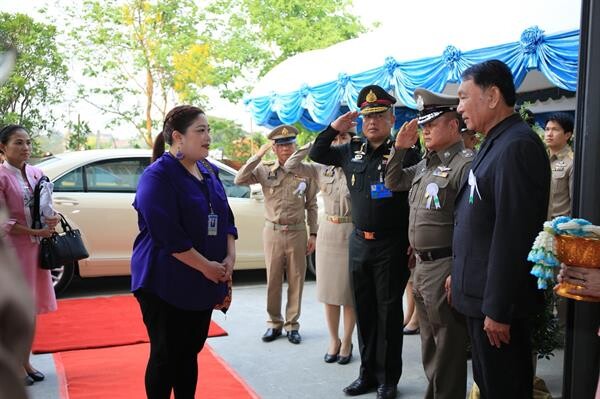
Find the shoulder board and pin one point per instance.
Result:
(268, 163)
(570, 155)
(467, 153)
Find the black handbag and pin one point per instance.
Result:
(60, 248)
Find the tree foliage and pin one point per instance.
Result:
(79, 134)
(143, 56)
(229, 137)
(139, 57)
(38, 77)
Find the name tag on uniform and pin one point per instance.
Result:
(379, 190)
(213, 221)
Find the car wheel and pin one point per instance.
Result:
(311, 264)
(62, 277)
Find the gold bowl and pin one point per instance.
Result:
(578, 252)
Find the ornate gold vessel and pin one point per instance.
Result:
(578, 252)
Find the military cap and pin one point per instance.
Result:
(283, 134)
(373, 99)
(431, 105)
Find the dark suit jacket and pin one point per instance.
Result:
(492, 236)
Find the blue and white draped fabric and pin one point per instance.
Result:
(554, 55)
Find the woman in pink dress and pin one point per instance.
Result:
(17, 182)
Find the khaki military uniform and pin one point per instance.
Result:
(434, 183)
(333, 274)
(287, 198)
(561, 186)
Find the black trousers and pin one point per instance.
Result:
(505, 372)
(379, 273)
(176, 338)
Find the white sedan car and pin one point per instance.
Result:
(94, 190)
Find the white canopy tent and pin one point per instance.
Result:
(425, 30)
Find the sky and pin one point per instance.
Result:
(394, 16)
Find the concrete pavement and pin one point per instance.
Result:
(282, 370)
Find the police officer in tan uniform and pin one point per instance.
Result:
(557, 135)
(433, 184)
(333, 275)
(288, 197)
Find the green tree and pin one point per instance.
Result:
(295, 26)
(79, 134)
(38, 77)
(140, 57)
(236, 144)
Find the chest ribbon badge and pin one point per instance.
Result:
(473, 185)
(432, 190)
(299, 192)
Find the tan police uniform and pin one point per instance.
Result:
(333, 274)
(561, 186)
(434, 183)
(288, 197)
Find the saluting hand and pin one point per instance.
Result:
(498, 333)
(345, 122)
(263, 149)
(407, 135)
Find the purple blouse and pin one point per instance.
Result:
(173, 211)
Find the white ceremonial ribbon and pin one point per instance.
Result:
(432, 191)
(473, 185)
(300, 189)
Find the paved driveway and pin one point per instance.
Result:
(279, 369)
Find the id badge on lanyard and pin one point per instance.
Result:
(213, 222)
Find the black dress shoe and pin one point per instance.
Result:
(360, 386)
(346, 359)
(294, 337)
(408, 331)
(36, 375)
(271, 334)
(386, 391)
(28, 381)
(333, 358)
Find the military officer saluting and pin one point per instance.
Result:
(378, 243)
(288, 198)
(433, 184)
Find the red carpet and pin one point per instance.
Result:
(118, 373)
(94, 323)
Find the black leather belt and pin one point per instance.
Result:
(434, 254)
(376, 235)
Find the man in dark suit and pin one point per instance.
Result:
(500, 208)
